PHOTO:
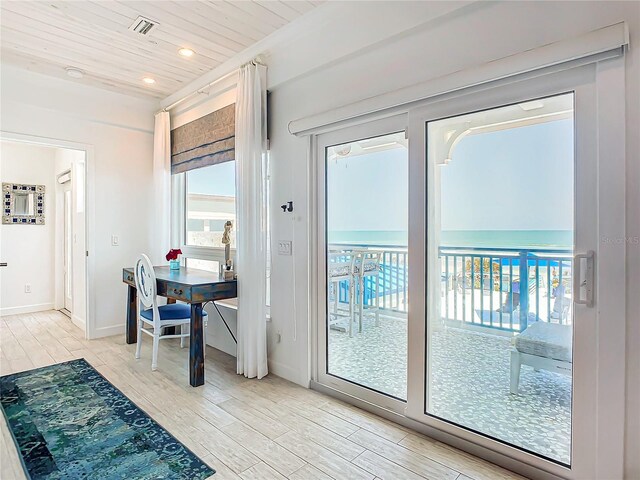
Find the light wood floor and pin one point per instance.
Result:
(245, 429)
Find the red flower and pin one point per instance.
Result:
(173, 254)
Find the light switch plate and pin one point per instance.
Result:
(115, 241)
(284, 247)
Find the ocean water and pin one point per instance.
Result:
(462, 238)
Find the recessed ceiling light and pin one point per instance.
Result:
(186, 52)
(74, 72)
(148, 80)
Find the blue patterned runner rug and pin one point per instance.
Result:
(69, 422)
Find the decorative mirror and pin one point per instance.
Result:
(22, 204)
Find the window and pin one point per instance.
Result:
(210, 203)
(209, 265)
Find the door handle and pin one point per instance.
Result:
(3, 264)
(589, 278)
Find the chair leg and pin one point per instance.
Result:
(139, 341)
(515, 371)
(154, 358)
(361, 305)
(377, 301)
(182, 339)
(351, 300)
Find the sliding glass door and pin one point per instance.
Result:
(456, 273)
(506, 276)
(500, 327)
(365, 260)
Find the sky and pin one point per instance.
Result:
(368, 192)
(516, 179)
(217, 179)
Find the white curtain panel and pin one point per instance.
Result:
(161, 211)
(250, 154)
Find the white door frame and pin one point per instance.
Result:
(607, 448)
(89, 198)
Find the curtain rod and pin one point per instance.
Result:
(256, 61)
(200, 90)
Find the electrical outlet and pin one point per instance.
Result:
(284, 247)
(27, 288)
(115, 241)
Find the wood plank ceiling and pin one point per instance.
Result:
(93, 36)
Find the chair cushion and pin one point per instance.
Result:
(547, 340)
(173, 311)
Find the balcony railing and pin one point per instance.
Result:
(479, 286)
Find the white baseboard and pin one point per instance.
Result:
(109, 331)
(40, 307)
(222, 346)
(78, 322)
(285, 372)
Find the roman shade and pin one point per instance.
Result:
(209, 140)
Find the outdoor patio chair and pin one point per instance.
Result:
(560, 305)
(543, 346)
(367, 264)
(341, 268)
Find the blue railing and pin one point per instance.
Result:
(480, 286)
(506, 288)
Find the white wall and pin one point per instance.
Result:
(28, 249)
(119, 132)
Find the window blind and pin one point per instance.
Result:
(209, 140)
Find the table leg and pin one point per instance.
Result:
(196, 347)
(132, 315)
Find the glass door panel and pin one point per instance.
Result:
(366, 259)
(500, 241)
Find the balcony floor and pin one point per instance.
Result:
(470, 377)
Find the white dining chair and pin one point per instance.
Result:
(152, 319)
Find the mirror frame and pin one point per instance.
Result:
(9, 191)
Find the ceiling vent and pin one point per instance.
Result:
(142, 25)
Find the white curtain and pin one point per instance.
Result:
(250, 154)
(161, 212)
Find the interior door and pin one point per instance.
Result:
(68, 249)
(501, 234)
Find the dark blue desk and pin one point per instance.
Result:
(188, 285)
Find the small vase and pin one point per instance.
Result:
(174, 264)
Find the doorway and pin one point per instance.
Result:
(46, 264)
